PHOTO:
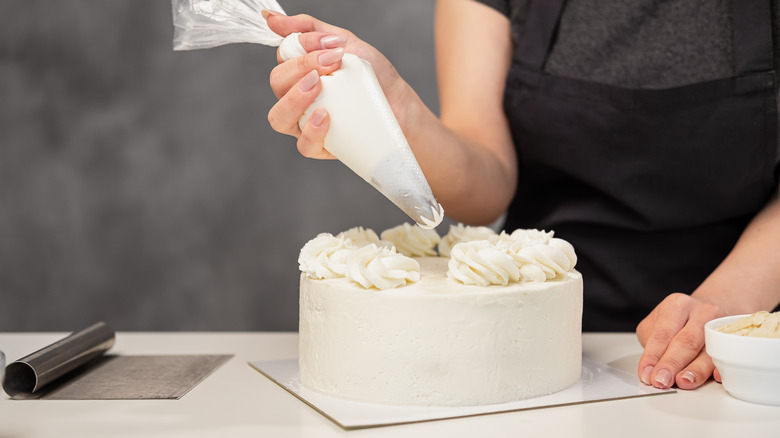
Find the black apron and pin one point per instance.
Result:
(652, 187)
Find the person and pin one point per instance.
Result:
(640, 131)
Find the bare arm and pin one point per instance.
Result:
(470, 159)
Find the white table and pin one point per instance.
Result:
(237, 401)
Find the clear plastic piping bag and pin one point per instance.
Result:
(364, 134)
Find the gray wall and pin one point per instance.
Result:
(144, 187)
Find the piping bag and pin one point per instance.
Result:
(364, 133)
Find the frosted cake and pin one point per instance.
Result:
(410, 318)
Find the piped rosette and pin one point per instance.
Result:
(476, 256)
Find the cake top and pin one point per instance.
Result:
(477, 255)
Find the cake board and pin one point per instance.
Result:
(598, 383)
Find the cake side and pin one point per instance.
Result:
(438, 342)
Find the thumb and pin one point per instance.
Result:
(284, 25)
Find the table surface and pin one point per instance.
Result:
(237, 401)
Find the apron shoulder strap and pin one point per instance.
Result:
(540, 30)
(752, 27)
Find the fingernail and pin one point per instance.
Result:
(663, 379)
(267, 13)
(646, 374)
(309, 81)
(688, 376)
(333, 41)
(317, 117)
(331, 56)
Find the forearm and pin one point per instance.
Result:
(467, 154)
(472, 180)
(748, 279)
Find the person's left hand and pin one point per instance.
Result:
(673, 338)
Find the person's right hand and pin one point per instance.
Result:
(297, 82)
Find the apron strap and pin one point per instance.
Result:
(753, 52)
(752, 27)
(752, 34)
(540, 30)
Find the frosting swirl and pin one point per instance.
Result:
(567, 248)
(412, 241)
(536, 255)
(325, 256)
(480, 263)
(478, 256)
(463, 233)
(381, 267)
(361, 236)
(522, 237)
(540, 261)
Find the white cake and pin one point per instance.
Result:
(381, 327)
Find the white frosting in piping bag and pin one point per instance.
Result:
(291, 47)
(365, 135)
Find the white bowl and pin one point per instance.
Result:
(749, 367)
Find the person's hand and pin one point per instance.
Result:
(673, 337)
(297, 82)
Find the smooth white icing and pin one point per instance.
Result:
(437, 342)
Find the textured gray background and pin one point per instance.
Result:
(144, 187)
